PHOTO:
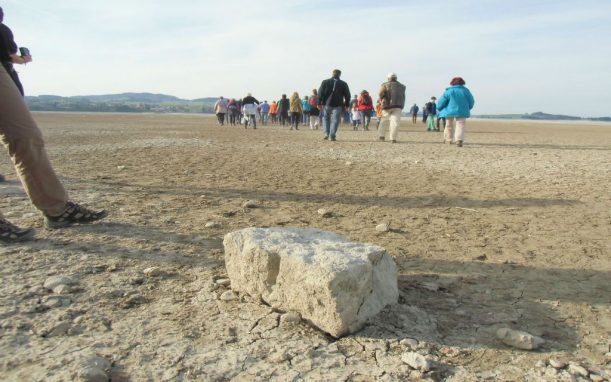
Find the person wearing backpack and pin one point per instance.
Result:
(392, 95)
(365, 106)
(305, 104)
(314, 112)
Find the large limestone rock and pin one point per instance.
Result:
(335, 284)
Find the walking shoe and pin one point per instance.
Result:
(381, 138)
(393, 141)
(325, 137)
(10, 233)
(2, 178)
(333, 139)
(459, 143)
(74, 214)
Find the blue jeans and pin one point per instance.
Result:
(331, 120)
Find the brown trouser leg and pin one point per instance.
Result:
(21, 136)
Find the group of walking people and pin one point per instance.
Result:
(326, 106)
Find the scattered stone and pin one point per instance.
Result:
(540, 363)
(229, 296)
(578, 370)
(416, 361)
(557, 364)
(335, 284)
(152, 272)
(382, 227)
(53, 281)
(120, 168)
(487, 375)
(250, 204)
(325, 213)
(51, 302)
(349, 163)
(93, 374)
(223, 282)
(409, 343)
(61, 289)
(212, 225)
(519, 339)
(58, 330)
(596, 378)
(291, 317)
(481, 258)
(131, 301)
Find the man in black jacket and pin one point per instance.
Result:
(334, 97)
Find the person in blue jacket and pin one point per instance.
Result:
(456, 104)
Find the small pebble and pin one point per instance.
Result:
(325, 213)
(409, 343)
(120, 168)
(229, 296)
(61, 289)
(93, 374)
(382, 227)
(557, 364)
(540, 364)
(53, 281)
(223, 282)
(250, 204)
(416, 361)
(578, 370)
(212, 225)
(152, 272)
(291, 317)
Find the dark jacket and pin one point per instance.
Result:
(283, 105)
(392, 94)
(334, 92)
(249, 100)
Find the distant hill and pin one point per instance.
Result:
(124, 103)
(130, 97)
(543, 117)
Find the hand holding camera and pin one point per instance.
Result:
(25, 55)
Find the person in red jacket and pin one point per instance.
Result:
(365, 106)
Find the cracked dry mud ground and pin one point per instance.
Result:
(512, 230)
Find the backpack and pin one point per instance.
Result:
(365, 100)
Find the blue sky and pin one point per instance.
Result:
(516, 56)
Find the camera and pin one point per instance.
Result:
(24, 52)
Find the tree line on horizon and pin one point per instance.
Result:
(161, 103)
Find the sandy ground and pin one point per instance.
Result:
(512, 230)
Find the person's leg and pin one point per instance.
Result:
(23, 139)
(395, 120)
(326, 123)
(336, 115)
(382, 124)
(367, 119)
(448, 132)
(254, 120)
(460, 130)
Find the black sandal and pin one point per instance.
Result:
(74, 214)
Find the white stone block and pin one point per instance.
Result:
(335, 284)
